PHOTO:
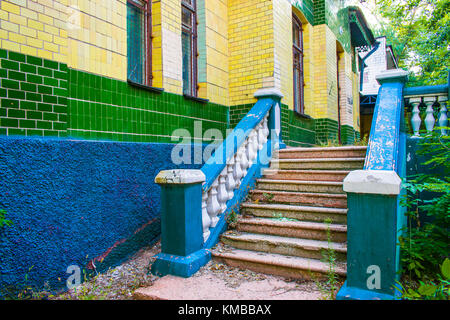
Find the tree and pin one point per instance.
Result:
(419, 32)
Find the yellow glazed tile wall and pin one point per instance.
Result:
(217, 66)
(251, 48)
(97, 37)
(35, 27)
(157, 67)
(356, 106)
(319, 73)
(171, 46)
(283, 71)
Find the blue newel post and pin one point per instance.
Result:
(375, 218)
(182, 253)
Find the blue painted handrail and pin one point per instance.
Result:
(426, 90)
(384, 140)
(215, 164)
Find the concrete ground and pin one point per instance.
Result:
(215, 281)
(220, 282)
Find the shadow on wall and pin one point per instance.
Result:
(83, 203)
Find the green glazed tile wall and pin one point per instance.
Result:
(326, 131)
(301, 131)
(45, 98)
(33, 96)
(104, 108)
(348, 135)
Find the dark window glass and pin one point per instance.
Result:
(138, 41)
(189, 46)
(297, 40)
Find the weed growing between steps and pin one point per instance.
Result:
(280, 217)
(333, 283)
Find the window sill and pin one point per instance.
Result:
(302, 115)
(201, 100)
(143, 86)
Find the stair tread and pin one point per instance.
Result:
(325, 183)
(315, 149)
(320, 160)
(280, 260)
(294, 207)
(294, 224)
(315, 171)
(286, 241)
(317, 194)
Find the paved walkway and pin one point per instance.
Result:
(220, 282)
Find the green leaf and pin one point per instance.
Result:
(427, 289)
(445, 268)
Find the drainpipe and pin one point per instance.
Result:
(361, 76)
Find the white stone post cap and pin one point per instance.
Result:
(391, 75)
(268, 92)
(180, 176)
(385, 182)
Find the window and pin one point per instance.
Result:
(139, 41)
(189, 46)
(299, 84)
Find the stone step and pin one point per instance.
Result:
(306, 175)
(327, 200)
(295, 229)
(305, 248)
(302, 213)
(300, 186)
(276, 264)
(331, 152)
(318, 163)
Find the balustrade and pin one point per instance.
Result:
(432, 115)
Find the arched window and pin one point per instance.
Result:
(189, 46)
(297, 40)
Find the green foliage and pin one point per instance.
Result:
(3, 220)
(232, 219)
(419, 32)
(331, 286)
(438, 289)
(425, 245)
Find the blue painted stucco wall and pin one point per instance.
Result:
(76, 203)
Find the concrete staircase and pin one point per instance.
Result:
(283, 229)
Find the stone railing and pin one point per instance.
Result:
(375, 217)
(220, 189)
(195, 203)
(428, 109)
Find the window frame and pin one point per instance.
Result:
(148, 50)
(299, 87)
(192, 31)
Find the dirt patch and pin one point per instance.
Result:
(121, 282)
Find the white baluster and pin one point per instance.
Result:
(230, 183)
(266, 128)
(415, 119)
(252, 147)
(260, 131)
(255, 144)
(429, 119)
(237, 170)
(222, 195)
(206, 220)
(443, 119)
(213, 206)
(244, 160)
